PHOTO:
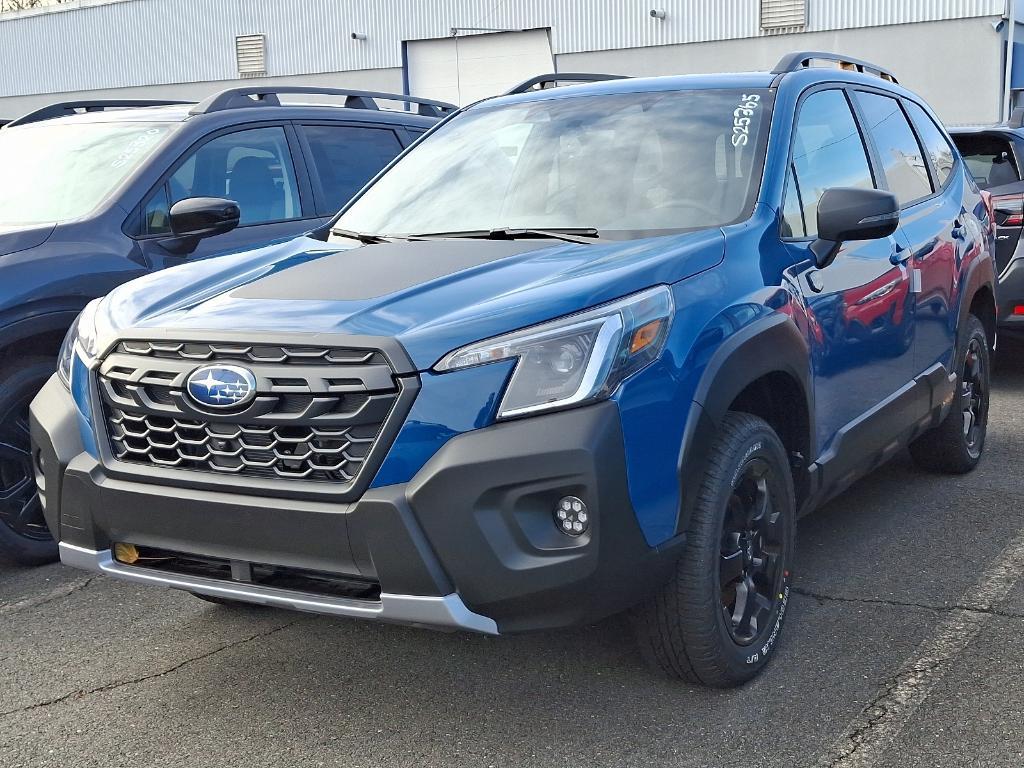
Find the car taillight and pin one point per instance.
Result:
(1009, 208)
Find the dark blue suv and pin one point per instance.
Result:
(97, 193)
(580, 350)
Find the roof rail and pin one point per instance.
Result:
(1016, 119)
(267, 96)
(540, 82)
(791, 62)
(61, 109)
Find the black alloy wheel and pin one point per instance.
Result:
(20, 509)
(24, 536)
(974, 396)
(750, 572)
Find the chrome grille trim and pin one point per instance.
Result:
(317, 417)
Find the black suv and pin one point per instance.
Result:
(97, 193)
(993, 156)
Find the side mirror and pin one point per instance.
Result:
(196, 218)
(850, 213)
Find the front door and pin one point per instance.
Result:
(257, 168)
(860, 308)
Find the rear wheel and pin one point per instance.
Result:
(24, 536)
(955, 446)
(717, 622)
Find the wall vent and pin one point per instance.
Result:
(251, 55)
(783, 15)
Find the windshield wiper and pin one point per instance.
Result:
(584, 235)
(360, 236)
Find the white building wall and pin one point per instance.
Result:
(185, 48)
(149, 42)
(955, 65)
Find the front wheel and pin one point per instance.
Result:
(719, 619)
(24, 536)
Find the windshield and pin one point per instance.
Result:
(628, 165)
(55, 173)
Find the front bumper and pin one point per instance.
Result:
(469, 543)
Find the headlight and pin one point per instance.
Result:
(82, 334)
(577, 358)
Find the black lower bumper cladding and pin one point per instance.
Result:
(470, 543)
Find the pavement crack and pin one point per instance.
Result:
(967, 608)
(54, 594)
(144, 678)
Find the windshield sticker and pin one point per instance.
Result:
(741, 119)
(136, 146)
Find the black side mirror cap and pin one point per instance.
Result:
(851, 213)
(196, 218)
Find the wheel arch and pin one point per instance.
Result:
(36, 334)
(763, 369)
(978, 297)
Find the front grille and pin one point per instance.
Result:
(317, 414)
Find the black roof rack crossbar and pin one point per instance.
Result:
(791, 62)
(64, 108)
(541, 82)
(237, 98)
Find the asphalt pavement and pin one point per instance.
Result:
(904, 647)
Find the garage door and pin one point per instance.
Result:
(464, 69)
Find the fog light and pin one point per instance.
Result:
(572, 516)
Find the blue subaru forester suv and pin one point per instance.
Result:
(96, 193)
(579, 350)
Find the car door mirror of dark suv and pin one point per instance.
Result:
(851, 213)
(196, 218)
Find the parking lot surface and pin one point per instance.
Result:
(904, 647)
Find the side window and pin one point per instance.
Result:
(827, 152)
(934, 140)
(155, 218)
(347, 157)
(253, 168)
(902, 159)
(988, 158)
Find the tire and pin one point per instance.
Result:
(24, 536)
(955, 446)
(684, 630)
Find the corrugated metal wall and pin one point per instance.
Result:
(148, 42)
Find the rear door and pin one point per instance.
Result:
(342, 157)
(992, 162)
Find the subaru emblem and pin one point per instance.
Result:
(221, 386)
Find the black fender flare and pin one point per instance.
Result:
(772, 344)
(980, 274)
(53, 321)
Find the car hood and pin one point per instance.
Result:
(15, 239)
(431, 295)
